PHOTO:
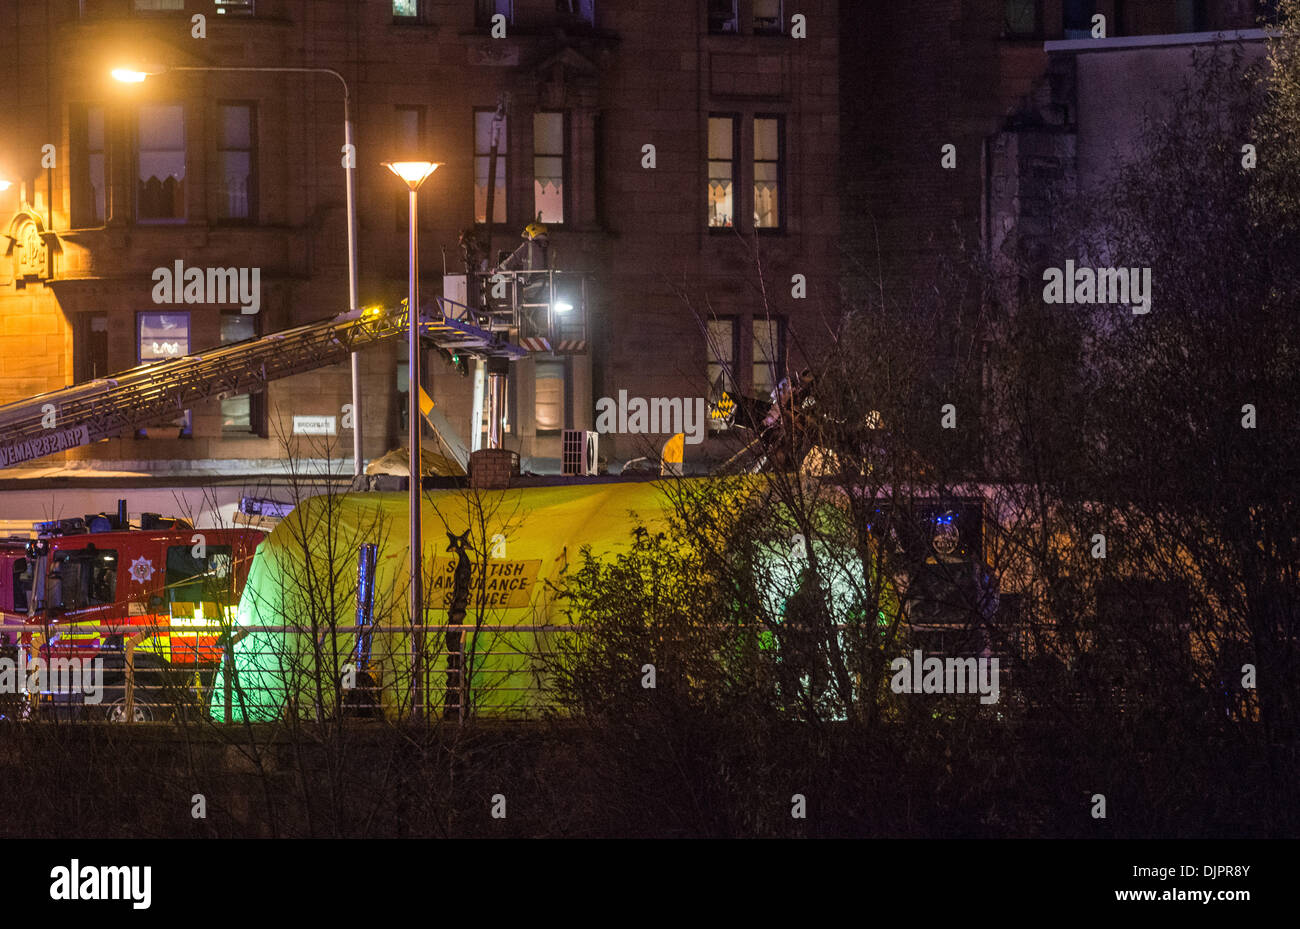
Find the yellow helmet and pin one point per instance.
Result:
(534, 230)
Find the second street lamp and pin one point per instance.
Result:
(413, 174)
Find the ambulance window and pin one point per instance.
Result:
(194, 580)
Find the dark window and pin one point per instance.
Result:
(160, 156)
(197, 580)
(549, 167)
(22, 585)
(1023, 17)
(487, 131)
(237, 156)
(242, 414)
(767, 17)
(90, 347)
(769, 354)
(584, 10)
(89, 174)
(723, 18)
(484, 10)
(1077, 18)
(1191, 16)
(236, 7)
(82, 578)
(721, 190)
(769, 169)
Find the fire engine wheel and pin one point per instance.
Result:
(116, 712)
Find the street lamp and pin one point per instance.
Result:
(413, 174)
(138, 76)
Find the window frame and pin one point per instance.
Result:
(709, 17)
(254, 180)
(1037, 29)
(257, 418)
(728, 371)
(768, 31)
(779, 362)
(736, 183)
(564, 165)
(415, 17)
(138, 150)
(81, 355)
(781, 197)
(81, 153)
(502, 190)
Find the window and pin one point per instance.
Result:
(548, 167)
(235, 7)
(584, 10)
(767, 17)
(163, 336)
(489, 131)
(1077, 15)
(723, 18)
(242, 414)
(1023, 17)
(159, 6)
(767, 172)
(90, 347)
(196, 580)
(89, 187)
(549, 405)
(406, 9)
(484, 10)
(160, 148)
(237, 161)
(768, 355)
(85, 577)
(722, 171)
(408, 142)
(22, 585)
(1191, 15)
(721, 369)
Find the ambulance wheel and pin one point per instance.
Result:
(115, 712)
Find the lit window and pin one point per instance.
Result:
(722, 171)
(235, 7)
(406, 9)
(89, 190)
(767, 17)
(160, 147)
(548, 167)
(767, 173)
(767, 355)
(235, 156)
(723, 17)
(159, 6)
(487, 131)
(549, 408)
(721, 348)
(164, 336)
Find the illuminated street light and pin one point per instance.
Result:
(5, 185)
(137, 76)
(413, 174)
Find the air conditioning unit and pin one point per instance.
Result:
(579, 452)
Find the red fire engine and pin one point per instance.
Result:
(65, 593)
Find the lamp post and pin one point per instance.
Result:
(413, 174)
(132, 76)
